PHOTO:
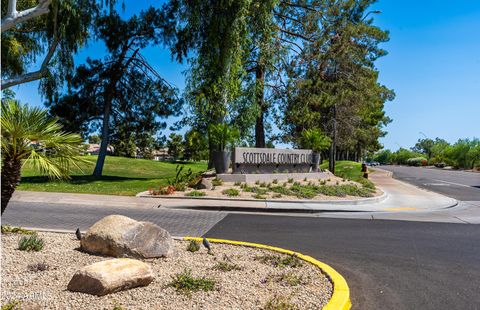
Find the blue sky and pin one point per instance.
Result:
(433, 66)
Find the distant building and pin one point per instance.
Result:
(161, 155)
(94, 149)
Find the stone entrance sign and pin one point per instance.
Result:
(256, 160)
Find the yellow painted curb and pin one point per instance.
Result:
(340, 299)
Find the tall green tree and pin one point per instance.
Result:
(30, 135)
(122, 94)
(175, 146)
(49, 30)
(211, 35)
(334, 82)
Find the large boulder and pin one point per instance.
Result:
(111, 276)
(121, 236)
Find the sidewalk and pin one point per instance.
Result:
(400, 197)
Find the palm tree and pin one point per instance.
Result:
(28, 134)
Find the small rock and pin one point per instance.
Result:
(204, 184)
(111, 276)
(121, 236)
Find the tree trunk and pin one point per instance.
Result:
(104, 144)
(10, 179)
(331, 164)
(259, 90)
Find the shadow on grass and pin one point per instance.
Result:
(81, 179)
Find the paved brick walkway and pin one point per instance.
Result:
(70, 216)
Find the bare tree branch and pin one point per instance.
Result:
(14, 17)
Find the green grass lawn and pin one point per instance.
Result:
(121, 176)
(346, 169)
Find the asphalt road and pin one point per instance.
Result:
(387, 264)
(461, 185)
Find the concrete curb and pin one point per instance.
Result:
(360, 201)
(340, 299)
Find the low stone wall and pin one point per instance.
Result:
(269, 177)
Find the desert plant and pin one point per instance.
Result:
(12, 305)
(217, 182)
(238, 183)
(7, 229)
(290, 180)
(275, 181)
(231, 192)
(288, 278)
(259, 196)
(186, 283)
(31, 243)
(226, 266)
(257, 182)
(193, 246)
(29, 134)
(278, 261)
(279, 303)
(195, 194)
(222, 135)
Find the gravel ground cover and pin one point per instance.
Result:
(257, 281)
(278, 190)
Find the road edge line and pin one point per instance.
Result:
(340, 299)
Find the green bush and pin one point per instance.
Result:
(417, 161)
(291, 261)
(231, 192)
(184, 282)
(195, 194)
(259, 196)
(31, 243)
(217, 182)
(193, 246)
(7, 229)
(13, 305)
(279, 303)
(226, 266)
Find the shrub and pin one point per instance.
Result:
(259, 196)
(186, 283)
(289, 278)
(217, 182)
(278, 261)
(279, 303)
(257, 182)
(180, 187)
(32, 243)
(303, 191)
(165, 190)
(195, 194)
(226, 266)
(13, 305)
(238, 183)
(231, 192)
(263, 184)
(281, 190)
(417, 161)
(7, 229)
(193, 246)
(275, 181)
(290, 180)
